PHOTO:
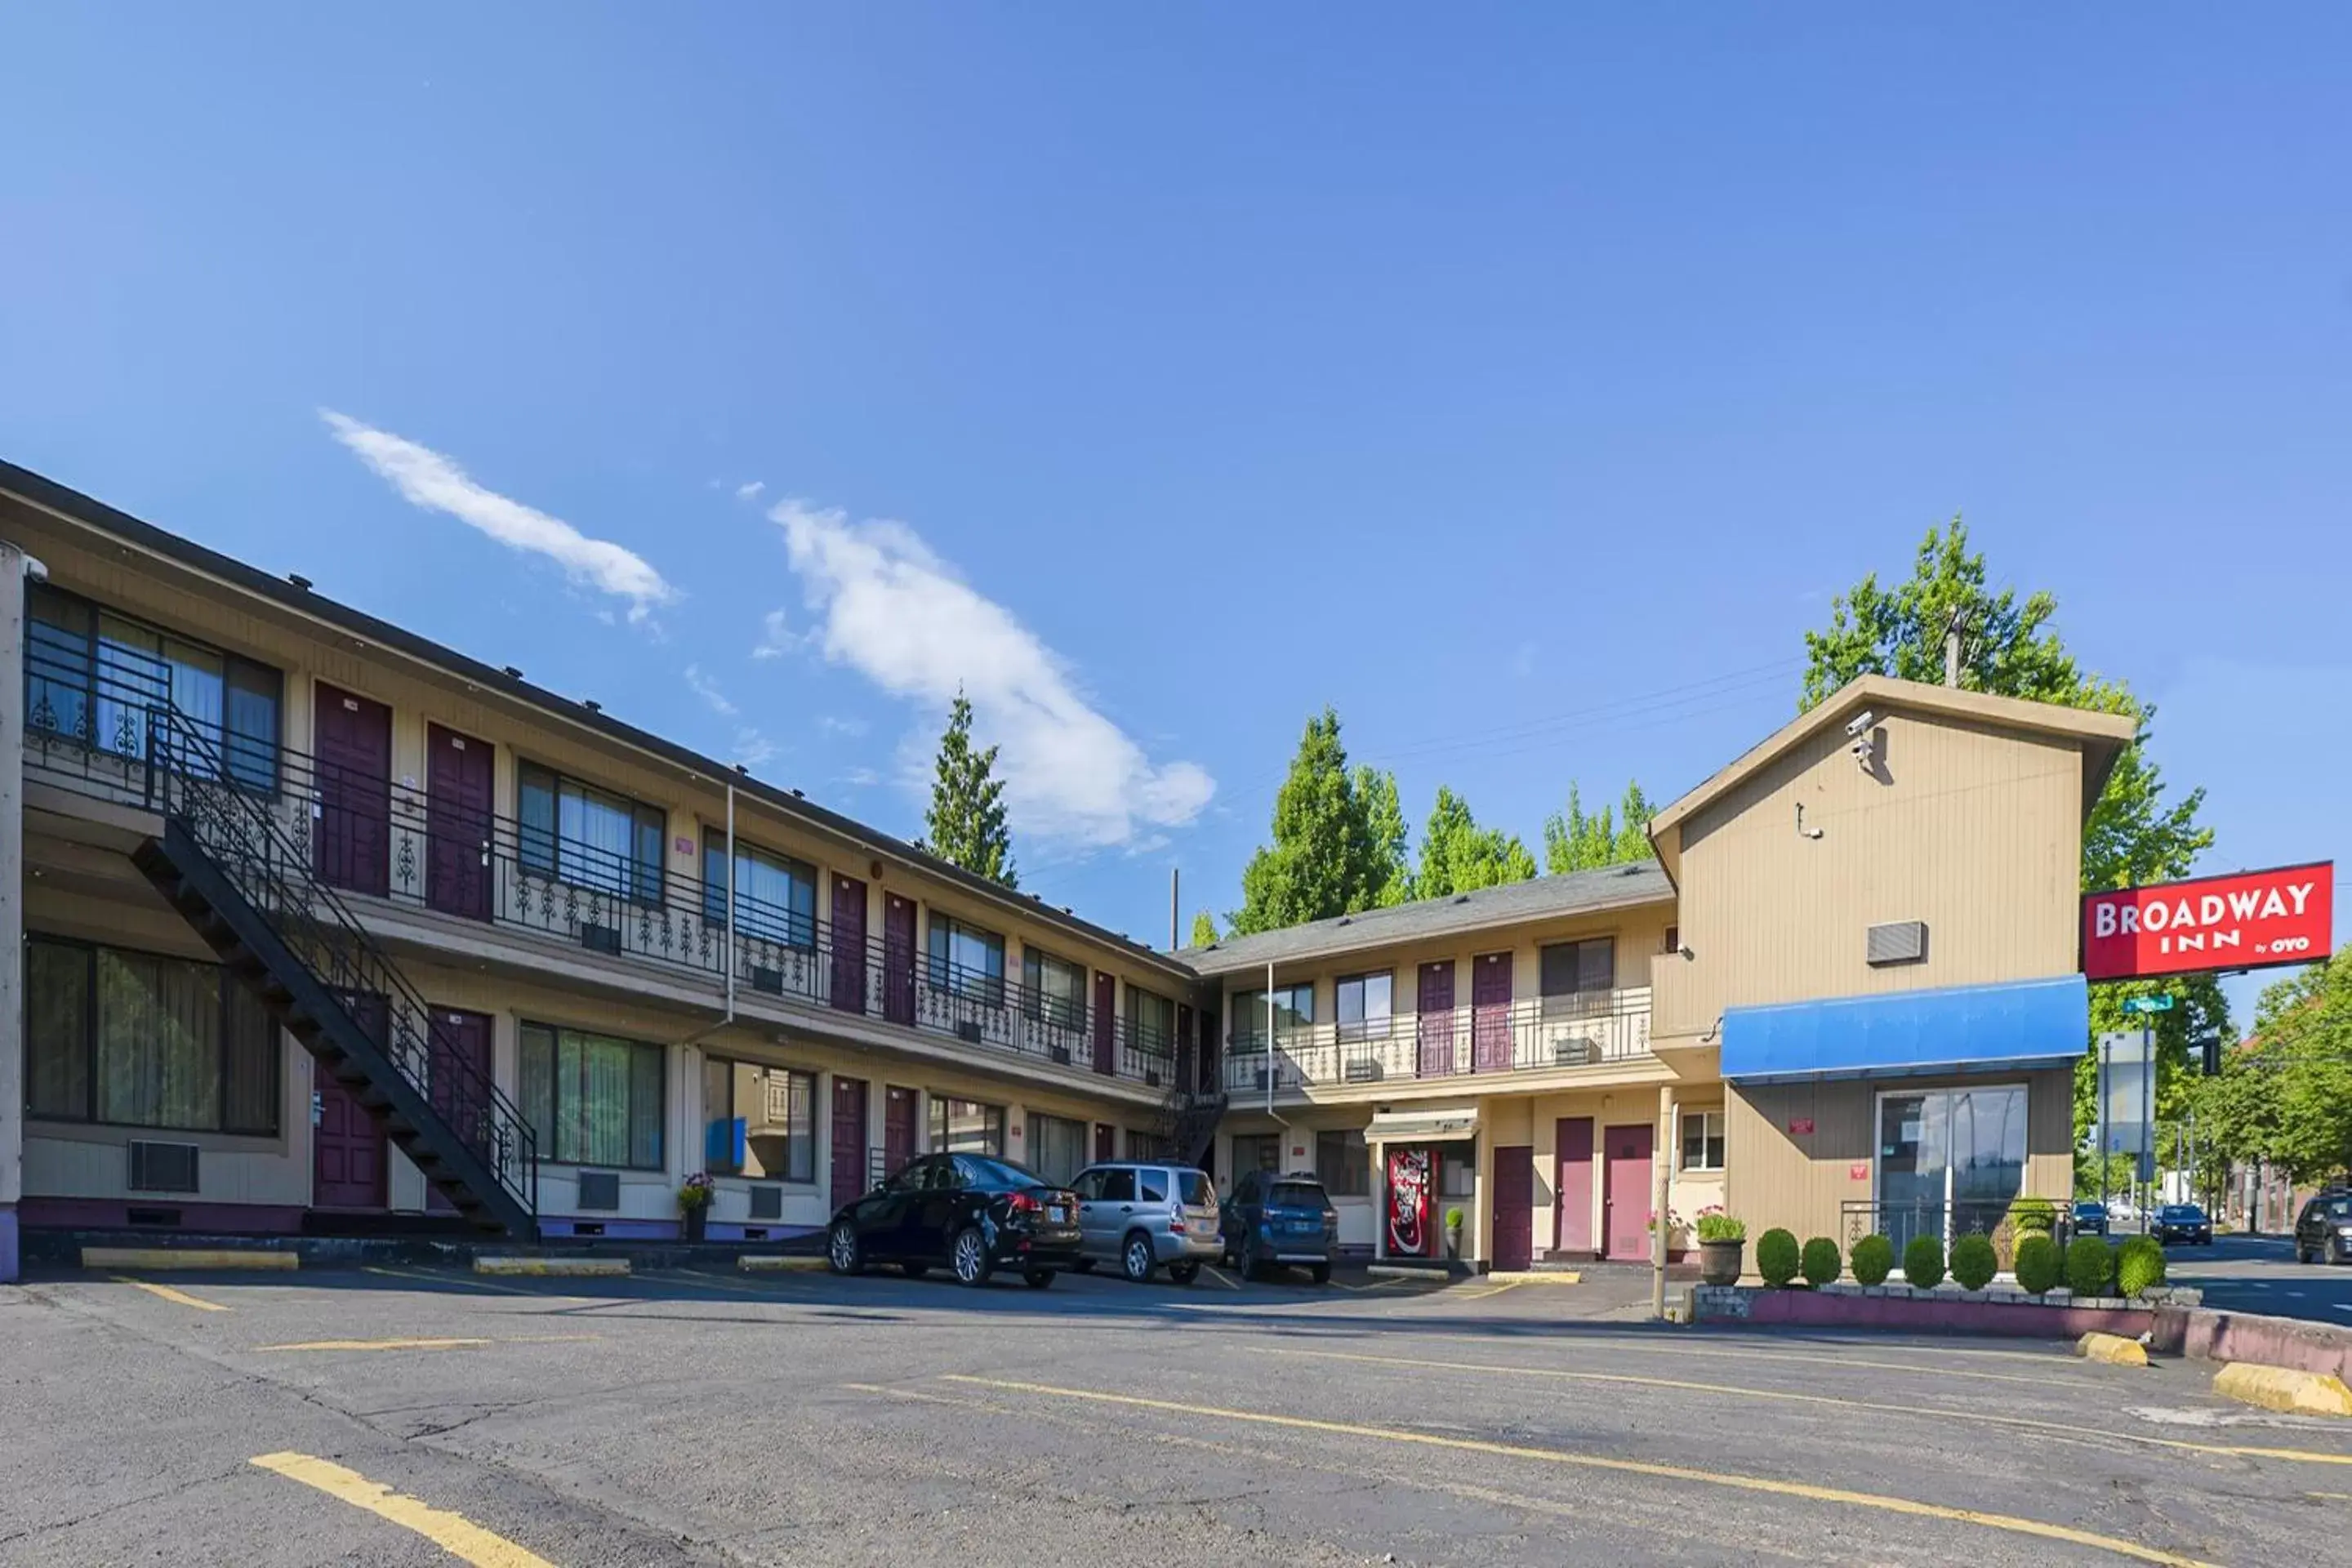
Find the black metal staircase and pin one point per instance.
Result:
(241, 879)
(1188, 1122)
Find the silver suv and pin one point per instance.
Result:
(1141, 1215)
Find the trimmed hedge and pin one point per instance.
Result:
(1923, 1262)
(1821, 1264)
(2090, 1264)
(1776, 1256)
(1973, 1264)
(2139, 1265)
(2039, 1264)
(1874, 1260)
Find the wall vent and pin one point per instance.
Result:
(138, 1216)
(1898, 941)
(162, 1167)
(600, 1189)
(767, 1202)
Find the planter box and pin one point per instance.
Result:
(1901, 1309)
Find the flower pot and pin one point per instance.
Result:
(1452, 1241)
(697, 1221)
(1718, 1261)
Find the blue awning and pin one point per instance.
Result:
(1965, 1028)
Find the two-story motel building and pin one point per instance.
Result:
(325, 927)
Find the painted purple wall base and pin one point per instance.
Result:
(2028, 1320)
(774, 1231)
(2212, 1335)
(8, 1261)
(114, 1213)
(617, 1229)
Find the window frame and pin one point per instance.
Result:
(1150, 1038)
(959, 979)
(546, 1130)
(940, 1121)
(272, 1048)
(1579, 999)
(790, 928)
(540, 850)
(1253, 1040)
(1083, 1143)
(1353, 1166)
(1703, 1116)
(795, 1145)
(1363, 1028)
(1041, 1005)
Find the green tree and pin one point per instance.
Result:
(1457, 855)
(1204, 929)
(2012, 649)
(965, 825)
(1574, 841)
(1339, 840)
(2286, 1095)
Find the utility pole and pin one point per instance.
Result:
(1174, 876)
(1952, 651)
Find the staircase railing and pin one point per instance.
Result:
(186, 783)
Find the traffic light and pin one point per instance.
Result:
(2208, 1048)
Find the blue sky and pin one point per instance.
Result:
(1522, 382)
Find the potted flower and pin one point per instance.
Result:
(1722, 1241)
(1452, 1233)
(693, 1196)
(1675, 1226)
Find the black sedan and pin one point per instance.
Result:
(973, 1213)
(2090, 1219)
(2183, 1223)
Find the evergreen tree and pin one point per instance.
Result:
(965, 825)
(1204, 929)
(1457, 855)
(1390, 878)
(1576, 842)
(1339, 840)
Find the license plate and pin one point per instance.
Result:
(1058, 1214)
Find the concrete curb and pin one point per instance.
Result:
(186, 1257)
(1534, 1276)
(749, 1264)
(2283, 1388)
(543, 1267)
(2112, 1349)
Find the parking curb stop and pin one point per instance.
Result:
(751, 1263)
(187, 1257)
(553, 1268)
(2283, 1388)
(2112, 1349)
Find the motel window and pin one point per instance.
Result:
(775, 895)
(1362, 1005)
(1256, 1152)
(1053, 990)
(1057, 1147)
(1578, 976)
(1150, 1023)
(132, 1039)
(590, 837)
(1703, 1140)
(592, 1099)
(1344, 1162)
(758, 1121)
(966, 961)
(1294, 1009)
(966, 1127)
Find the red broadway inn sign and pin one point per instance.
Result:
(2249, 920)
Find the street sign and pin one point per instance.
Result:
(2148, 1003)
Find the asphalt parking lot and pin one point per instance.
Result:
(423, 1416)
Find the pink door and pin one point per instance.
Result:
(351, 846)
(1106, 1022)
(347, 1149)
(897, 1128)
(1490, 1013)
(849, 944)
(897, 959)
(456, 823)
(1515, 1206)
(1573, 1138)
(848, 1139)
(1625, 1202)
(1435, 1023)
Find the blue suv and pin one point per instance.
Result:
(1280, 1220)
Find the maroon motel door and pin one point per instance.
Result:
(1490, 1013)
(897, 1128)
(1625, 1202)
(1106, 1022)
(351, 846)
(1573, 1137)
(1105, 1141)
(897, 959)
(347, 1144)
(458, 778)
(1435, 1025)
(460, 1041)
(849, 944)
(848, 1139)
(1515, 1206)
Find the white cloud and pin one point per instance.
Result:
(750, 491)
(427, 478)
(853, 728)
(861, 778)
(894, 611)
(775, 636)
(708, 689)
(753, 749)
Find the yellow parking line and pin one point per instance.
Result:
(1654, 1346)
(461, 1281)
(453, 1532)
(1451, 1300)
(181, 1297)
(424, 1345)
(2072, 1431)
(1220, 1276)
(1806, 1490)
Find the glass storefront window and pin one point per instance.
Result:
(1950, 1161)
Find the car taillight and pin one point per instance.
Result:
(1021, 1202)
(1175, 1222)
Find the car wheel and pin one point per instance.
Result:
(916, 1270)
(972, 1264)
(1183, 1273)
(1134, 1258)
(1038, 1279)
(1320, 1274)
(842, 1249)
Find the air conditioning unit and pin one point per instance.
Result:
(1059, 1053)
(162, 1167)
(969, 1031)
(600, 1189)
(1574, 1051)
(1364, 1072)
(770, 981)
(601, 939)
(1897, 941)
(767, 1202)
(1151, 1078)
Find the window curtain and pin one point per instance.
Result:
(1057, 1147)
(56, 1030)
(158, 1042)
(598, 835)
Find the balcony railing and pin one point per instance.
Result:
(407, 846)
(1494, 1039)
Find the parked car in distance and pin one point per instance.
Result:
(1141, 1215)
(2323, 1232)
(1280, 1219)
(2182, 1223)
(974, 1213)
(2090, 1219)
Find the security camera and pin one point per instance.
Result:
(1861, 749)
(1861, 722)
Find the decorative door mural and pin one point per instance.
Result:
(1409, 1202)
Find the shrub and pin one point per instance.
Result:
(2090, 1264)
(1821, 1264)
(2139, 1265)
(1973, 1264)
(1713, 1225)
(1453, 1219)
(2038, 1263)
(1776, 1257)
(2035, 1214)
(1923, 1262)
(1874, 1260)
